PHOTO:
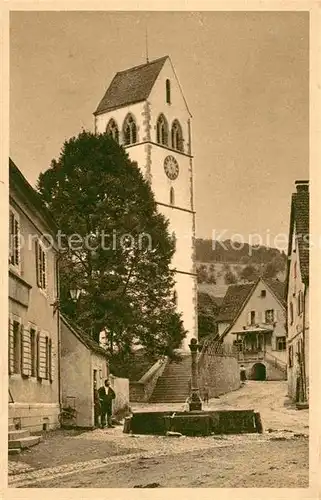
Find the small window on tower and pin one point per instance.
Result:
(177, 136)
(168, 91)
(172, 196)
(162, 130)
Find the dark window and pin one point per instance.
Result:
(162, 130)
(112, 129)
(33, 352)
(290, 361)
(263, 293)
(172, 196)
(300, 303)
(252, 318)
(41, 266)
(14, 240)
(175, 297)
(269, 316)
(17, 345)
(177, 136)
(130, 130)
(168, 91)
(280, 344)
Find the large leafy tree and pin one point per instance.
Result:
(207, 313)
(117, 248)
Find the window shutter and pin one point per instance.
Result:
(42, 365)
(10, 348)
(50, 357)
(249, 318)
(16, 242)
(26, 352)
(37, 262)
(263, 317)
(38, 355)
(44, 269)
(11, 230)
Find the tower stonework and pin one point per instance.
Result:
(145, 110)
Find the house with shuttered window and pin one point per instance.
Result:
(33, 327)
(252, 321)
(298, 296)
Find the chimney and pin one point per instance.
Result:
(302, 186)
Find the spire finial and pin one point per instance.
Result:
(146, 41)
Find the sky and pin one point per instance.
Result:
(245, 76)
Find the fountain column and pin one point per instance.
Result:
(195, 402)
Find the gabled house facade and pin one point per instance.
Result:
(298, 295)
(33, 329)
(252, 321)
(145, 111)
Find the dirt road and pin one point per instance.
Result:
(278, 458)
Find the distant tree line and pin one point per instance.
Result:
(240, 274)
(208, 250)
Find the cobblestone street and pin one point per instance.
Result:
(109, 458)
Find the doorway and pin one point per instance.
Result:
(258, 372)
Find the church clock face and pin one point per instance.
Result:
(171, 167)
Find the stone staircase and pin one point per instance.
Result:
(20, 439)
(173, 385)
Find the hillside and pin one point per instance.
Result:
(222, 264)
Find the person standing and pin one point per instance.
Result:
(242, 374)
(206, 394)
(106, 396)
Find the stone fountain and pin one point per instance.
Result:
(195, 421)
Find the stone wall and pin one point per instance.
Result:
(142, 390)
(121, 388)
(220, 372)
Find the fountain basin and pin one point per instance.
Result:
(195, 423)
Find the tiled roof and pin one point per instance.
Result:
(233, 301)
(84, 337)
(130, 86)
(278, 288)
(17, 180)
(300, 206)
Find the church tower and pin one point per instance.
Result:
(145, 110)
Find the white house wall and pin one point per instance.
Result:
(295, 329)
(150, 158)
(76, 376)
(35, 401)
(260, 305)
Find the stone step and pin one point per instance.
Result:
(14, 435)
(25, 442)
(14, 451)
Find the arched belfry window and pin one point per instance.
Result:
(177, 136)
(172, 196)
(129, 130)
(168, 91)
(162, 130)
(112, 129)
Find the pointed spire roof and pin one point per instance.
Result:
(131, 86)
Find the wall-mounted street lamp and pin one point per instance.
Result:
(74, 295)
